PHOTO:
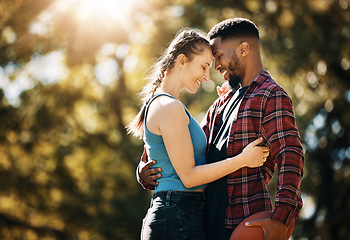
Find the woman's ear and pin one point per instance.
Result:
(244, 49)
(181, 60)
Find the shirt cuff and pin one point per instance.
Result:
(283, 215)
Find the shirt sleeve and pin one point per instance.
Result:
(207, 120)
(279, 128)
(205, 124)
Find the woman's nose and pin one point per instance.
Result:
(206, 76)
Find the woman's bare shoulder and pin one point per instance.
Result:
(167, 105)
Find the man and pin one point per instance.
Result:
(257, 106)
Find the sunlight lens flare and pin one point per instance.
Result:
(119, 10)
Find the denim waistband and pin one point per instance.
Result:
(171, 194)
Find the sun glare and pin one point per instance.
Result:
(119, 10)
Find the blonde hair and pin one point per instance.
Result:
(188, 42)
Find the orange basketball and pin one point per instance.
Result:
(255, 233)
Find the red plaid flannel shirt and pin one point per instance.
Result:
(266, 110)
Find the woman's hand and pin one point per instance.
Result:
(255, 156)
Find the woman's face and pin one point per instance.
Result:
(196, 70)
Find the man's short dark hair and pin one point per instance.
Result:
(235, 27)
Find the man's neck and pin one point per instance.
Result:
(251, 76)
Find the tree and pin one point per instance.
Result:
(69, 76)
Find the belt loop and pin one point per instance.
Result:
(167, 199)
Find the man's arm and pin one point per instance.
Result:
(146, 175)
(280, 130)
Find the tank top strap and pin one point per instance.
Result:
(157, 95)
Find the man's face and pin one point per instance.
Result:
(226, 60)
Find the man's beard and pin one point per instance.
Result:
(234, 81)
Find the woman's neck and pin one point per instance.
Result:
(170, 85)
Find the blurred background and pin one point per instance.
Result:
(70, 71)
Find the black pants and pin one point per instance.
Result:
(216, 200)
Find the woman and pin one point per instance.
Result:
(176, 141)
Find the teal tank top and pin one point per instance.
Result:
(156, 151)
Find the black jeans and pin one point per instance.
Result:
(175, 215)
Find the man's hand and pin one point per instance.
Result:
(148, 174)
(273, 229)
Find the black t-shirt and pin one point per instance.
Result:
(216, 192)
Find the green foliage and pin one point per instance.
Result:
(69, 77)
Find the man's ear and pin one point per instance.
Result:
(181, 60)
(244, 49)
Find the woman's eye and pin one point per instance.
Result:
(204, 68)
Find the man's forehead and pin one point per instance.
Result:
(215, 45)
(215, 41)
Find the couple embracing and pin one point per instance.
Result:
(207, 178)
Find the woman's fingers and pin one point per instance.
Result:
(256, 141)
(265, 149)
